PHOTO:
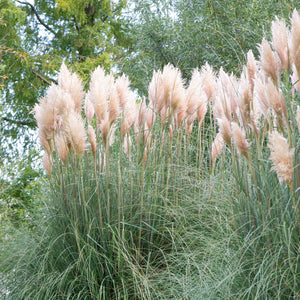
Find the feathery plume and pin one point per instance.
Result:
(208, 79)
(114, 105)
(61, 147)
(93, 140)
(156, 91)
(239, 139)
(75, 132)
(99, 92)
(72, 85)
(130, 115)
(122, 86)
(142, 113)
(89, 110)
(282, 157)
(280, 41)
(150, 117)
(260, 93)
(268, 61)
(217, 147)
(251, 68)
(44, 141)
(276, 100)
(174, 91)
(295, 39)
(225, 130)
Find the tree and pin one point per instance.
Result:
(36, 38)
(189, 33)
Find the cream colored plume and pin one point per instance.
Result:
(217, 147)
(240, 140)
(71, 84)
(122, 86)
(156, 91)
(295, 40)
(99, 93)
(174, 91)
(61, 146)
(93, 139)
(225, 130)
(130, 114)
(196, 99)
(208, 80)
(268, 61)
(276, 100)
(251, 68)
(75, 132)
(280, 41)
(282, 157)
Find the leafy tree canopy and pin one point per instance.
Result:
(35, 37)
(189, 33)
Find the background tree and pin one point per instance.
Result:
(36, 38)
(188, 33)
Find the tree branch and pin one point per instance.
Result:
(17, 122)
(37, 15)
(40, 76)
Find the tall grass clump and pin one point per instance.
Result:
(258, 120)
(124, 187)
(192, 193)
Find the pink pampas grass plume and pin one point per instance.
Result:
(280, 41)
(142, 113)
(105, 127)
(114, 105)
(61, 147)
(225, 130)
(122, 87)
(276, 100)
(196, 99)
(89, 110)
(260, 93)
(251, 68)
(240, 140)
(156, 91)
(93, 140)
(268, 60)
(217, 147)
(44, 141)
(282, 157)
(208, 79)
(295, 39)
(76, 133)
(201, 112)
(99, 93)
(194, 93)
(71, 84)
(174, 91)
(150, 117)
(130, 115)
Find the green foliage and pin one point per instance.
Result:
(37, 38)
(20, 194)
(190, 33)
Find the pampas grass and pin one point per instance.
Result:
(139, 195)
